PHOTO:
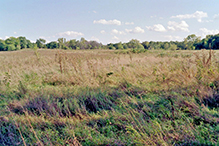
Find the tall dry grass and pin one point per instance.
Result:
(90, 68)
(147, 97)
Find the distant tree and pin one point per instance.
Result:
(211, 41)
(125, 46)
(205, 43)
(155, 45)
(52, 45)
(83, 43)
(23, 42)
(61, 42)
(40, 43)
(180, 45)
(190, 41)
(118, 46)
(145, 44)
(94, 45)
(135, 44)
(72, 44)
(172, 47)
(10, 47)
(2, 45)
(29, 44)
(34, 46)
(111, 46)
(13, 41)
(166, 45)
(66, 48)
(215, 42)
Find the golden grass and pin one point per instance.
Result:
(92, 68)
(52, 72)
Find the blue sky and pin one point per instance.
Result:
(108, 20)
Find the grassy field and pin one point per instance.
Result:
(104, 97)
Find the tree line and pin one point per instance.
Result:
(191, 42)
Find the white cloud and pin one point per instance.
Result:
(109, 22)
(114, 31)
(171, 37)
(178, 26)
(94, 11)
(171, 28)
(129, 23)
(32, 41)
(153, 16)
(216, 16)
(197, 15)
(15, 32)
(156, 27)
(205, 31)
(135, 30)
(102, 31)
(115, 38)
(70, 34)
(94, 38)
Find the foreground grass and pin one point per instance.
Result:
(56, 97)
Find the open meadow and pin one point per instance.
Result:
(109, 97)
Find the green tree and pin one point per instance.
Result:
(52, 45)
(72, 44)
(125, 46)
(145, 44)
(62, 42)
(10, 47)
(13, 41)
(2, 45)
(111, 46)
(135, 44)
(34, 46)
(23, 42)
(40, 43)
(94, 45)
(166, 46)
(29, 44)
(215, 42)
(83, 44)
(118, 46)
(172, 47)
(190, 41)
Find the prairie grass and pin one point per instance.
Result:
(105, 97)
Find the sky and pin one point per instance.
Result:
(108, 21)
